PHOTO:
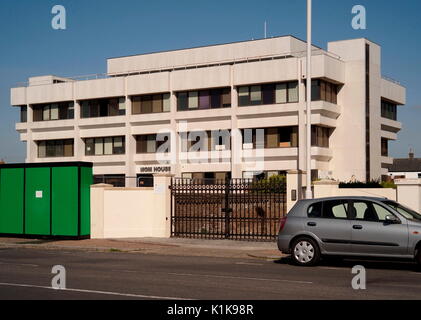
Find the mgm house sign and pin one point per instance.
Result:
(158, 169)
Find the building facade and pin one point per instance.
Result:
(245, 102)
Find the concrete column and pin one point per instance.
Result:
(175, 137)
(236, 141)
(409, 193)
(78, 147)
(31, 150)
(130, 147)
(162, 183)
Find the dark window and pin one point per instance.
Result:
(23, 114)
(385, 147)
(389, 110)
(315, 210)
(53, 111)
(116, 180)
(273, 93)
(325, 91)
(204, 99)
(55, 148)
(145, 180)
(104, 146)
(103, 108)
(152, 143)
(277, 137)
(320, 136)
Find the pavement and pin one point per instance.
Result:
(162, 246)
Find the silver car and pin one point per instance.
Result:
(350, 226)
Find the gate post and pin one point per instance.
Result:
(162, 183)
(295, 185)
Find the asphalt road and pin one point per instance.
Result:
(26, 274)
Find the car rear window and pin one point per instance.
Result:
(315, 210)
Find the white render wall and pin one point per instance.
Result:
(343, 64)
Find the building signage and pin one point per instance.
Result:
(155, 169)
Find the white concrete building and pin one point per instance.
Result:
(112, 121)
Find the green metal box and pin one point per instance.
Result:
(45, 199)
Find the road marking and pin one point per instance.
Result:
(93, 291)
(20, 264)
(249, 264)
(125, 271)
(242, 278)
(330, 268)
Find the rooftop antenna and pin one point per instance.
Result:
(265, 30)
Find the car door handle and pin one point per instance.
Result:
(357, 227)
(312, 224)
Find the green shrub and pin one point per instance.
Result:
(370, 185)
(277, 183)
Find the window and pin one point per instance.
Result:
(385, 147)
(320, 136)
(277, 137)
(381, 212)
(204, 99)
(156, 103)
(406, 212)
(103, 108)
(281, 93)
(255, 95)
(152, 143)
(55, 148)
(53, 111)
(268, 94)
(389, 110)
(325, 91)
(23, 114)
(117, 180)
(208, 177)
(369, 211)
(335, 209)
(104, 146)
(315, 210)
(293, 92)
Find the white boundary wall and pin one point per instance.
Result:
(131, 212)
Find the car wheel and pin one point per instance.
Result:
(305, 252)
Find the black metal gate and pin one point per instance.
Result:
(238, 209)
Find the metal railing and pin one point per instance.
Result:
(96, 76)
(236, 209)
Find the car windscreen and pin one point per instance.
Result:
(406, 212)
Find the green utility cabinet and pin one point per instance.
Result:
(45, 199)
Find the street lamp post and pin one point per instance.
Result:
(309, 194)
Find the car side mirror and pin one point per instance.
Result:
(391, 219)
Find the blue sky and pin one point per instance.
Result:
(97, 30)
